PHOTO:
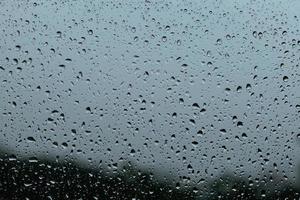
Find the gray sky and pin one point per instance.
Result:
(180, 86)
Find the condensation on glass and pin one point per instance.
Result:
(149, 99)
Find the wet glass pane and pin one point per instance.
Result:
(149, 99)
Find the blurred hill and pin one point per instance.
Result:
(44, 179)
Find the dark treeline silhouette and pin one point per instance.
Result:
(45, 179)
(231, 187)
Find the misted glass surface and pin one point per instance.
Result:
(149, 99)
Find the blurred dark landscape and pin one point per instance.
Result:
(43, 179)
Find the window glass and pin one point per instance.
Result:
(149, 99)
